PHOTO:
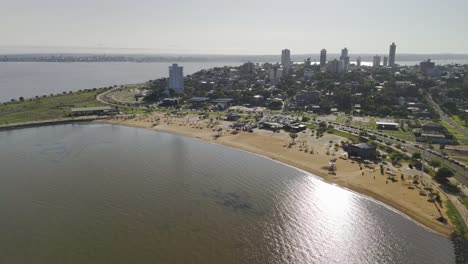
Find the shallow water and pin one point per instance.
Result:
(99, 193)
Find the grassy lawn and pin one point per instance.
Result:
(346, 135)
(47, 108)
(457, 220)
(407, 136)
(453, 131)
(341, 118)
(127, 93)
(372, 123)
(465, 201)
(458, 120)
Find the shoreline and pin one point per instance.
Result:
(411, 211)
(45, 123)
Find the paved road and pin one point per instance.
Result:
(445, 117)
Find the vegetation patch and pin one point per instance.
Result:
(47, 107)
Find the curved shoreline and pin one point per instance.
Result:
(414, 215)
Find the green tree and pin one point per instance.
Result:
(293, 136)
(416, 156)
(434, 163)
(443, 173)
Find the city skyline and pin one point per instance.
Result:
(184, 27)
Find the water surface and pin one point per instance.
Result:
(109, 194)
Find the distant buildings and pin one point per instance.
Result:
(286, 58)
(385, 61)
(248, 68)
(308, 74)
(323, 57)
(336, 66)
(345, 58)
(344, 53)
(275, 74)
(307, 98)
(358, 61)
(427, 67)
(376, 61)
(176, 78)
(391, 56)
(307, 62)
(465, 81)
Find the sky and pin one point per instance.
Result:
(235, 26)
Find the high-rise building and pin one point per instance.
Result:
(332, 66)
(391, 56)
(376, 61)
(344, 53)
(307, 62)
(345, 58)
(248, 68)
(275, 74)
(385, 61)
(358, 61)
(176, 78)
(323, 57)
(342, 67)
(286, 58)
(336, 66)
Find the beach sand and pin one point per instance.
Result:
(275, 146)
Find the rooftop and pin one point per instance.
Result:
(364, 146)
(198, 99)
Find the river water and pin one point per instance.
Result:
(28, 79)
(98, 193)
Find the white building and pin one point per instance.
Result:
(286, 58)
(176, 78)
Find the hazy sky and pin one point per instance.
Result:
(237, 26)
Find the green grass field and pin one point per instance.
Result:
(48, 108)
(407, 136)
(460, 227)
(459, 121)
(455, 133)
(465, 201)
(346, 135)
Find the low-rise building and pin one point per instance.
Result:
(386, 125)
(100, 110)
(363, 150)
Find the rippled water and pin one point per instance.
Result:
(109, 194)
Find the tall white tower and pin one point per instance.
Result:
(176, 78)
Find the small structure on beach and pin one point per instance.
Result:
(363, 150)
(198, 102)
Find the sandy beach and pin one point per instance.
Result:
(361, 178)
